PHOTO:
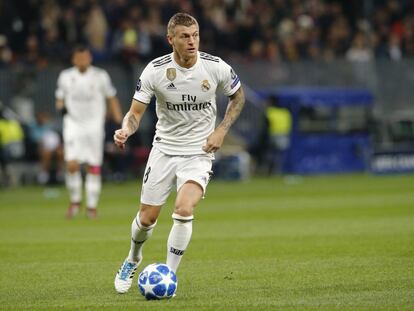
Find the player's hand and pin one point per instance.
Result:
(214, 140)
(120, 138)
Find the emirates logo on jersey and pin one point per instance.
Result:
(205, 86)
(171, 74)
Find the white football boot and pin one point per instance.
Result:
(125, 275)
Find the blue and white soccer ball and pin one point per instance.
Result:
(157, 281)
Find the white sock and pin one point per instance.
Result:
(93, 185)
(139, 234)
(74, 186)
(178, 239)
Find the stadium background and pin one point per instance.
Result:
(271, 44)
(285, 240)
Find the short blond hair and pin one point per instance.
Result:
(183, 19)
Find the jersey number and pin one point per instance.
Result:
(146, 174)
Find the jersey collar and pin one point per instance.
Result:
(183, 68)
(85, 73)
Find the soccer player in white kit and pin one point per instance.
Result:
(184, 84)
(82, 95)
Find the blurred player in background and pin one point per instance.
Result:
(82, 95)
(184, 84)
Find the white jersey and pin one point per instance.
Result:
(185, 100)
(84, 95)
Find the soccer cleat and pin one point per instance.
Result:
(73, 210)
(125, 275)
(91, 213)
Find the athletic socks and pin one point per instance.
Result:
(139, 234)
(178, 239)
(93, 185)
(74, 186)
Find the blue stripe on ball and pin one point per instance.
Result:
(160, 290)
(163, 269)
(155, 278)
(171, 289)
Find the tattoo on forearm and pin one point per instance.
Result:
(234, 108)
(130, 122)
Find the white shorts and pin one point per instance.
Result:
(50, 140)
(162, 171)
(84, 146)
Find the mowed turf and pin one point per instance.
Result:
(313, 243)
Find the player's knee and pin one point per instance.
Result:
(72, 167)
(148, 216)
(147, 220)
(184, 209)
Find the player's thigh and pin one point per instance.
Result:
(72, 142)
(158, 178)
(187, 198)
(93, 148)
(196, 169)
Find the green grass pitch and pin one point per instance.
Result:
(311, 243)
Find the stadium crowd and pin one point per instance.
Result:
(42, 32)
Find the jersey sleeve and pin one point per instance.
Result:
(108, 88)
(229, 81)
(144, 89)
(60, 90)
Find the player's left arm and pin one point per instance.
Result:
(234, 107)
(114, 109)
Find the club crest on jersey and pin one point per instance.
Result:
(171, 74)
(205, 85)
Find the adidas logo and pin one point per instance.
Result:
(171, 86)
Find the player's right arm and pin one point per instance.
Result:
(60, 104)
(130, 123)
(60, 95)
(142, 97)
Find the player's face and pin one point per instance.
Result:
(82, 60)
(185, 41)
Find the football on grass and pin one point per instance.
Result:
(157, 281)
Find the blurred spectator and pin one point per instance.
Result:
(280, 124)
(126, 42)
(68, 26)
(260, 147)
(360, 50)
(273, 138)
(272, 52)
(32, 55)
(22, 101)
(11, 146)
(96, 32)
(286, 30)
(53, 49)
(49, 148)
(5, 52)
(394, 47)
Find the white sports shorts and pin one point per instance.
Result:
(83, 146)
(162, 171)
